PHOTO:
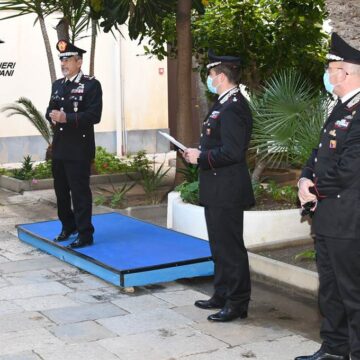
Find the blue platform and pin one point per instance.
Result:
(126, 251)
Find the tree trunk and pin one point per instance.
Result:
(344, 16)
(184, 56)
(259, 168)
(93, 46)
(62, 29)
(48, 49)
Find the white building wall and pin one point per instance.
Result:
(135, 98)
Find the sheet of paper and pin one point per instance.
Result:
(173, 140)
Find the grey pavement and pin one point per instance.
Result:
(51, 310)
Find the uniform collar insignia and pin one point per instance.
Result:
(78, 77)
(226, 97)
(354, 102)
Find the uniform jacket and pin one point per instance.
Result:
(81, 100)
(224, 175)
(335, 169)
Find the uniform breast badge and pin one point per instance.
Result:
(332, 144)
(208, 131)
(332, 133)
(76, 106)
(342, 124)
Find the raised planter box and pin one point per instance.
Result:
(16, 185)
(260, 227)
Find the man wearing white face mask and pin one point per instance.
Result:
(225, 188)
(331, 181)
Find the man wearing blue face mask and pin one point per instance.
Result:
(225, 188)
(331, 181)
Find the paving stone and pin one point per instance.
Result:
(81, 332)
(84, 282)
(295, 345)
(22, 321)
(163, 287)
(241, 331)
(28, 265)
(3, 282)
(145, 321)
(31, 254)
(29, 277)
(180, 298)
(135, 304)
(83, 313)
(194, 313)
(96, 296)
(162, 344)
(88, 351)
(24, 340)
(32, 290)
(8, 307)
(3, 259)
(26, 355)
(45, 303)
(232, 353)
(65, 271)
(15, 246)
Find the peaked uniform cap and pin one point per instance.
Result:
(340, 50)
(67, 49)
(217, 60)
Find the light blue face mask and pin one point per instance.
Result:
(328, 85)
(209, 84)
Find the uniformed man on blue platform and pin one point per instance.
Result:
(225, 188)
(75, 107)
(331, 182)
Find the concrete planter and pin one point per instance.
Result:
(16, 185)
(261, 228)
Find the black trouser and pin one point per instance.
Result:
(232, 275)
(73, 177)
(338, 262)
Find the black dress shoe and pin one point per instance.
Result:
(65, 234)
(227, 314)
(209, 304)
(322, 355)
(80, 242)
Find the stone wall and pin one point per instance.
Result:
(345, 19)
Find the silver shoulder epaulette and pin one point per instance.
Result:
(354, 102)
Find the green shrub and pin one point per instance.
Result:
(189, 192)
(140, 162)
(43, 170)
(107, 163)
(26, 171)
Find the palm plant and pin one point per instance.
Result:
(26, 108)
(288, 116)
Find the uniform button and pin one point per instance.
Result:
(338, 196)
(324, 130)
(62, 98)
(320, 145)
(315, 160)
(61, 129)
(83, 135)
(214, 173)
(200, 147)
(314, 175)
(201, 135)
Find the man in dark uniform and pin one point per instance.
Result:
(75, 106)
(331, 180)
(225, 188)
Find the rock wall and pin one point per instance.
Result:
(345, 19)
